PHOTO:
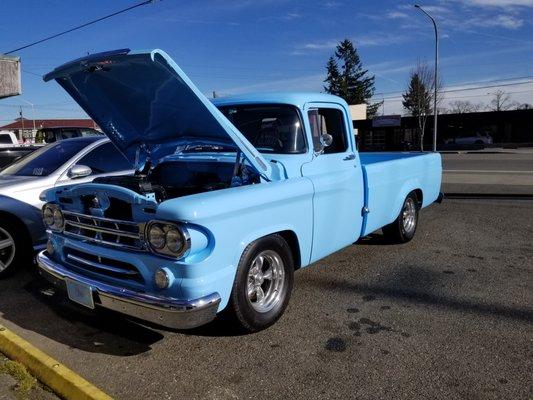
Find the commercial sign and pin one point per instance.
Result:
(386, 120)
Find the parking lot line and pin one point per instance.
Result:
(56, 376)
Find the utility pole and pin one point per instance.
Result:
(435, 83)
(33, 114)
(22, 124)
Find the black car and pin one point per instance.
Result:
(50, 135)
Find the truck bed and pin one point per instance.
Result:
(389, 177)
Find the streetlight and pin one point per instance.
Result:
(436, 76)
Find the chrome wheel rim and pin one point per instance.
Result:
(7, 249)
(409, 215)
(266, 280)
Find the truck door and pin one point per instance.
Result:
(337, 178)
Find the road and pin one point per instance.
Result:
(446, 316)
(503, 172)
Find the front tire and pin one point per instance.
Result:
(403, 229)
(13, 249)
(263, 284)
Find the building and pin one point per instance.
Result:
(393, 133)
(24, 128)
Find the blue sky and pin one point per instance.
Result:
(244, 46)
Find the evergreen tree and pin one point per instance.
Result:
(351, 81)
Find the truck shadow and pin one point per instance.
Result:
(419, 286)
(29, 302)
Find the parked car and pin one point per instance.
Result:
(8, 139)
(205, 228)
(9, 155)
(55, 165)
(51, 135)
(470, 139)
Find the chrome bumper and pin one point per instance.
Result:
(165, 311)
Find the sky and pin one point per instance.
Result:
(234, 47)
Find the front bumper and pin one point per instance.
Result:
(165, 311)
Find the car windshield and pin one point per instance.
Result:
(46, 160)
(270, 128)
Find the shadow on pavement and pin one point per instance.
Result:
(419, 285)
(29, 302)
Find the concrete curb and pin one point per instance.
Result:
(488, 196)
(56, 376)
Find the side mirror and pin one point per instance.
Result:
(79, 171)
(326, 139)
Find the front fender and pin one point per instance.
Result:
(27, 214)
(236, 217)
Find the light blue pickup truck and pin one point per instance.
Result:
(230, 197)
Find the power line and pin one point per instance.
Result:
(81, 26)
(378, 96)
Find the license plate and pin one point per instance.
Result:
(80, 293)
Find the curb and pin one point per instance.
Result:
(56, 376)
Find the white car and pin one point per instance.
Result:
(66, 162)
(467, 138)
(8, 139)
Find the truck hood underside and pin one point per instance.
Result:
(147, 105)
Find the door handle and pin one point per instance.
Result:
(349, 157)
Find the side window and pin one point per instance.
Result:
(49, 136)
(69, 133)
(104, 159)
(5, 139)
(331, 121)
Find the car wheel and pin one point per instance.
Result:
(404, 227)
(263, 284)
(13, 249)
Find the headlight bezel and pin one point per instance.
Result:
(53, 209)
(167, 227)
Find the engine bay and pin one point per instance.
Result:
(178, 178)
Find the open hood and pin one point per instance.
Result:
(147, 106)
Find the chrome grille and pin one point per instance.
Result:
(106, 231)
(85, 262)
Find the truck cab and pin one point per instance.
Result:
(229, 197)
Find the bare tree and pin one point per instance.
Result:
(463, 106)
(501, 101)
(418, 98)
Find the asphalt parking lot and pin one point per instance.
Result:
(446, 316)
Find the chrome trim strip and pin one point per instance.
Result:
(105, 242)
(101, 266)
(169, 312)
(117, 221)
(102, 230)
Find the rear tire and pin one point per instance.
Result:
(403, 229)
(263, 284)
(15, 251)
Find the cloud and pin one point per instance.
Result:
(503, 21)
(498, 3)
(327, 45)
(369, 40)
(396, 15)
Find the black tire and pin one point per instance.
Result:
(250, 315)
(401, 231)
(22, 249)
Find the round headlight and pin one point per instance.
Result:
(58, 219)
(48, 216)
(174, 240)
(162, 280)
(156, 237)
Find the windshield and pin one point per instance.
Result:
(270, 128)
(46, 160)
